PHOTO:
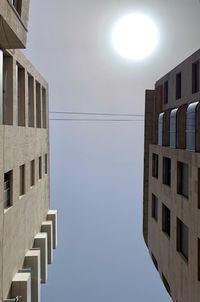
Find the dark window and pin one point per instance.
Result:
(44, 107)
(31, 111)
(21, 95)
(178, 86)
(7, 193)
(17, 5)
(40, 167)
(38, 104)
(182, 179)
(155, 165)
(182, 238)
(22, 180)
(165, 92)
(32, 173)
(166, 284)
(198, 259)
(167, 171)
(166, 220)
(195, 77)
(154, 207)
(154, 261)
(7, 90)
(46, 164)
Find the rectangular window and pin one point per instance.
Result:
(31, 113)
(166, 220)
(154, 207)
(178, 86)
(22, 180)
(198, 259)
(7, 90)
(20, 94)
(38, 104)
(8, 189)
(32, 173)
(182, 238)
(40, 167)
(195, 77)
(165, 92)
(17, 5)
(44, 107)
(166, 284)
(182, 179)
(155, 165)
(167, 171)
(46, 164)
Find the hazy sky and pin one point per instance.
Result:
(97, 167)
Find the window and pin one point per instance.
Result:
(191, 127)
(166, 220)
(198, 259)
(17, 5)
(178, 86)
(167, 171)
(182, 238)
(44, 107)
(8, 188)
(32, 173)
(154, 207)
(30, 101)
(160, 128)
(40, 167)
(20, 74)
(22, 180)
(182, 179)
(155, 262)
(38, 104)
(166, 284)
(195, 77)
(46, 164)
(155, 165)
(173, 128)
(7, 90)
(165, 92)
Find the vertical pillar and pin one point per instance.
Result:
(21, 286)
(40, 242)
(32, 261)
(47, 228)
(52, 215)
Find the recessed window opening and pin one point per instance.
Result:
(8, 189)
(191, 121)
(20, 75)
(166, 220)
(160, 128)
(22, 180)
(178, 86)
(195, 77)
(173, 127)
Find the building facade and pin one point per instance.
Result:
(171, 223)
(28, 228)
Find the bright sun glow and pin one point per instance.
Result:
(135, 36)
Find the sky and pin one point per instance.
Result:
(97, 167)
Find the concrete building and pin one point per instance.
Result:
(172, 179)
(28, 228)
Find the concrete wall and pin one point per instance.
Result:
(22, 221)
(14, 26)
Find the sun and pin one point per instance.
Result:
(135, 36)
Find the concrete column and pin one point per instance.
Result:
(32, 261)
(52, 216)
(40, 242)
(1, 87)
(21, 286)
(47, 227)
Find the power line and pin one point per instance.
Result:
(96, 113)
(96, 120)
